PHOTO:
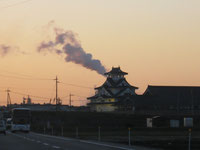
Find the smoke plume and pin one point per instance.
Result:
(5, 49)
(66, 43)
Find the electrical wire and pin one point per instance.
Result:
(23, 78)
(75, 96)
(20, 74)
(21, 88)
(81, 96)
(79, 100)
(29, 77)
(15, 4)
(80, 86)
(19, 93)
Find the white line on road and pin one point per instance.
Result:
(57, 147)
(106, 145)
(45, 144)
(33, 140)
(83, 141)
(55, 137)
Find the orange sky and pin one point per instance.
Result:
(156, 42)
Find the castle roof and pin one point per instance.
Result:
(114, 84)
(113, 96)
(116, 71)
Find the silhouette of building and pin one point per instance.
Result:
(169, 100)
(116, 94)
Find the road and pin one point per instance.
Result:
(34, 141)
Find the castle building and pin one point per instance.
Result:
(116, 94)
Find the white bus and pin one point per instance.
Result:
(21, 119)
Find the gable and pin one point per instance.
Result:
(126, 91)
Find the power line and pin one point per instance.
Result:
(19, 93)
(80, 100)
(80, 86)
(35, 78)
(3, 0)
(81, 96)
(16, 77)
(15, 4)
(23, 94)
(25, 88)
(20, 74)
(74, 95)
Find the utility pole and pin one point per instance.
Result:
(189, 139)
(192, 107)
(129, 136)
(70, 100)
(178, 103)
(56, 93)
(8, 99)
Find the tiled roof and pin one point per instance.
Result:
(116, 70)
(183, 95)
(171, 90)
(103, 96)
(116, 84)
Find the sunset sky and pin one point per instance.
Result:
(156, 41)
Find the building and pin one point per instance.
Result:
(169, 100)
(42, 107)
(116, 94)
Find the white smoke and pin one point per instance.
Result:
(72, 50)
(5, 49)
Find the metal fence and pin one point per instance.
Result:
(155, 137)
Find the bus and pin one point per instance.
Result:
(20, 119)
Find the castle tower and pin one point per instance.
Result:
(115, 94)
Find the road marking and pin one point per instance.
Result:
(33, 140)
(106, 145)
(83, 141)
(50, 136)
(57, 147)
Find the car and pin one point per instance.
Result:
(2, 127)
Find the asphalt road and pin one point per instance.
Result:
(33, 141)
